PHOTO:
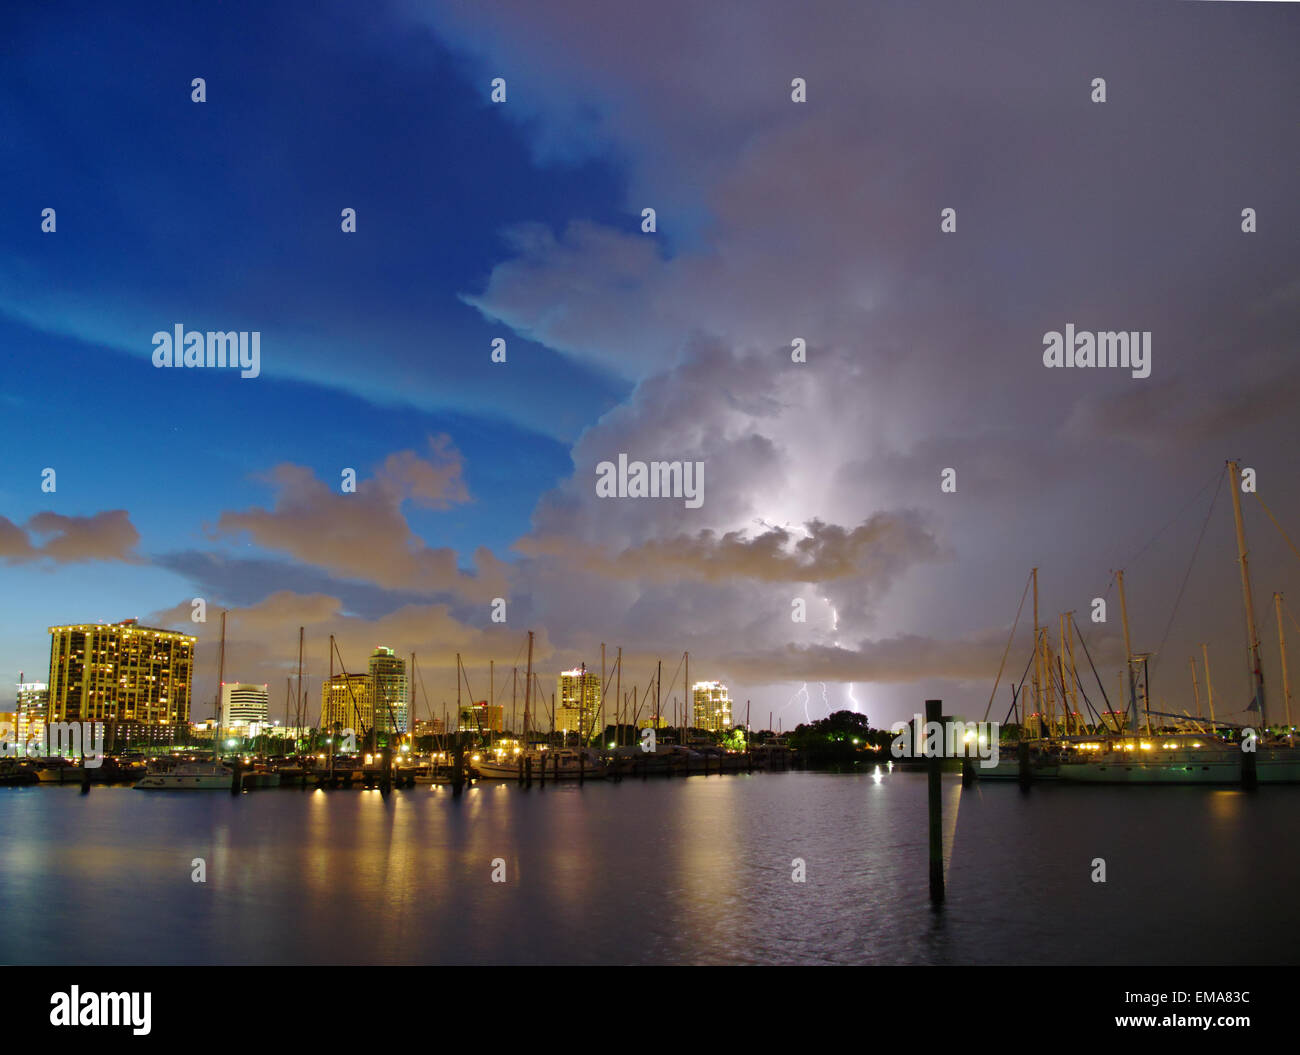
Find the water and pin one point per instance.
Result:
(658, 871)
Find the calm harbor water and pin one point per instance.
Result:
(659, 871)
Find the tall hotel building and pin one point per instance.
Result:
(388, 683)
(244, 705)
(577, 703)
(712, 706)
(349, 700)
(138, 677)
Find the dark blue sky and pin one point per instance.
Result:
(225, 215)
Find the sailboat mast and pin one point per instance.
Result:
(300, 711)
(1128, 654)
(1038, 661)
(1068, 618)
(221, 681)
(1252, 638)
(1209, 685)
(659, 673)
(1281, 645)
(1196, 689)
(528, 687)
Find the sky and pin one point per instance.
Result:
(776, 220)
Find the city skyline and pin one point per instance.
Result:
(805, 325)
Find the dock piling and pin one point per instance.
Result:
(933, 713)
(1249, 772)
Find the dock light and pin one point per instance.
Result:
(1197, 744)
(1146, 747)
(406, 747)
(611, 746)
(474, 758)
(231, 743)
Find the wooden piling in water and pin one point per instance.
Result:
(1249, 772)
(528, 772)
(1022, 755)
(933, 713)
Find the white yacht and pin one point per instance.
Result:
(1179, 758)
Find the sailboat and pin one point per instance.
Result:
(197, 776)
(1180, 758)
(581, 763)
(1196, 757)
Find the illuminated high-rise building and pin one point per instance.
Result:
(31, 710)
(347, 699)
(243, 705)
(389, 688)
(122, 673)
(712, 706)
(577, 703)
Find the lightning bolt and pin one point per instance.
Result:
(857, 709)
(803, 691)
(824, 699)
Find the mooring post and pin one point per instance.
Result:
(933, 713)
(521, 769)
(458, 771)
(1249, 772)
(1022, 755)
(582, 765)
(237, 778)
(528, 772)
(386, 780)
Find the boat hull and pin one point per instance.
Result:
(188, 778)
(568, 770)
(1180, 771)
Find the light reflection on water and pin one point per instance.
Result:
(658, 871)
